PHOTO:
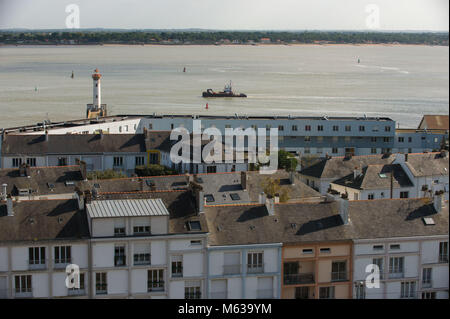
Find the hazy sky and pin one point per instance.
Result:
(228, 14)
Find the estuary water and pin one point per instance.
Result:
(401, 82)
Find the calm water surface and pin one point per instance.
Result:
(402, 82)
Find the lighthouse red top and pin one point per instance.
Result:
(96, 75)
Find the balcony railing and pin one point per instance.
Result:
(443, 258)
(232, 269)
(101, 289)
(37, 264)
(218, 295)
(61, 263)
(264, 293)
(76, 292)
(120, 261)
(339, 276)
(255, 268)
(193, 295)
(294, 279)
(155, 286)
(395, 274)
(23, 293)
(177, 272)
(427, 284)
(142, 259)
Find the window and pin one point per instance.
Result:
(386, 139)
(192, 290)
(396, 267)
(119, 256)
(387, 128)
(235, 196)
(16, 162)
(308, 251)
(31, 161)
(280, 128)
(141, 259)
(408, 289)
(194, 225)
(141, 230)
(319, 139)
(229, 125)
(380, 263)
(307, 138)
(63, 255)
(443, 252)
(101, 285)
(23, 285)
(301, 292)
(177, 266)
(401, 139)
(118, 161)
(426, 277)
(362, 128)
(150, 126)
(360, 291)
(348, 128)
(371, 196)
(335, 128)
(347, 138)
(373, 150)
(307, 127)
(294, 128)
(325, 250)
(36, 256)
(120, 129)
(326, 292)
(255, 262)
(338, 271)
(378, 247)
(171, 126)
(119, 228)
(80, 290)
(394, 246)
(404, 194)
(62, 161)
(209, 198)
(140, 160)
(211, 169)
(153, 158)
(334, 150)
(429, 295)
(320, 127)
(196, 242)
(410, 139)
(155, 280)
(373, 139)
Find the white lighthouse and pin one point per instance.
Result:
(96, 109)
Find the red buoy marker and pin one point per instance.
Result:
(206, 105)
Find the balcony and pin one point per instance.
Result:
(395, 274)
(177, 272)
(76, 292)
(427, 284)
(232, 269)
(264, 294)
(298, 279)
(255, 268)
(154, 286)
(23, 293)
(142, 259)
(37, 264)
(218, 295)
(339, 276)
(61, 263)
(101, 289)
(443, 258)
(120, 261)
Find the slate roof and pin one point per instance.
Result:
(377, 177)
(428, 164)
(41, 178)
(43, 220)
(337, 167)
(72, 144)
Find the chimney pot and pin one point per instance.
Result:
(270, 206)
(244, 180)
(4, 192)
(262, 198)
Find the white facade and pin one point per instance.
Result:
(244, 272)
(402, 273)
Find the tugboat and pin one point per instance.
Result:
(227, 92)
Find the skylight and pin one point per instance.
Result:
(209, 198)
(235, 196)
(428, 221)
(382, 175)
(194, 225)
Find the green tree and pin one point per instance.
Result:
(154, 170)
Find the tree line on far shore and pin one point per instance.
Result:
(219, 37)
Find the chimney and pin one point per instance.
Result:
(270, 206)
(87, 196)
(343, 210)
(80, 199)
(292, 178)
(46, 135)
(262, 198)
(437, 202)
(356, 173)
(244, 180)
(406, 157)
(83, 171)
(189, 178)
(4, 193)
(9, 206)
